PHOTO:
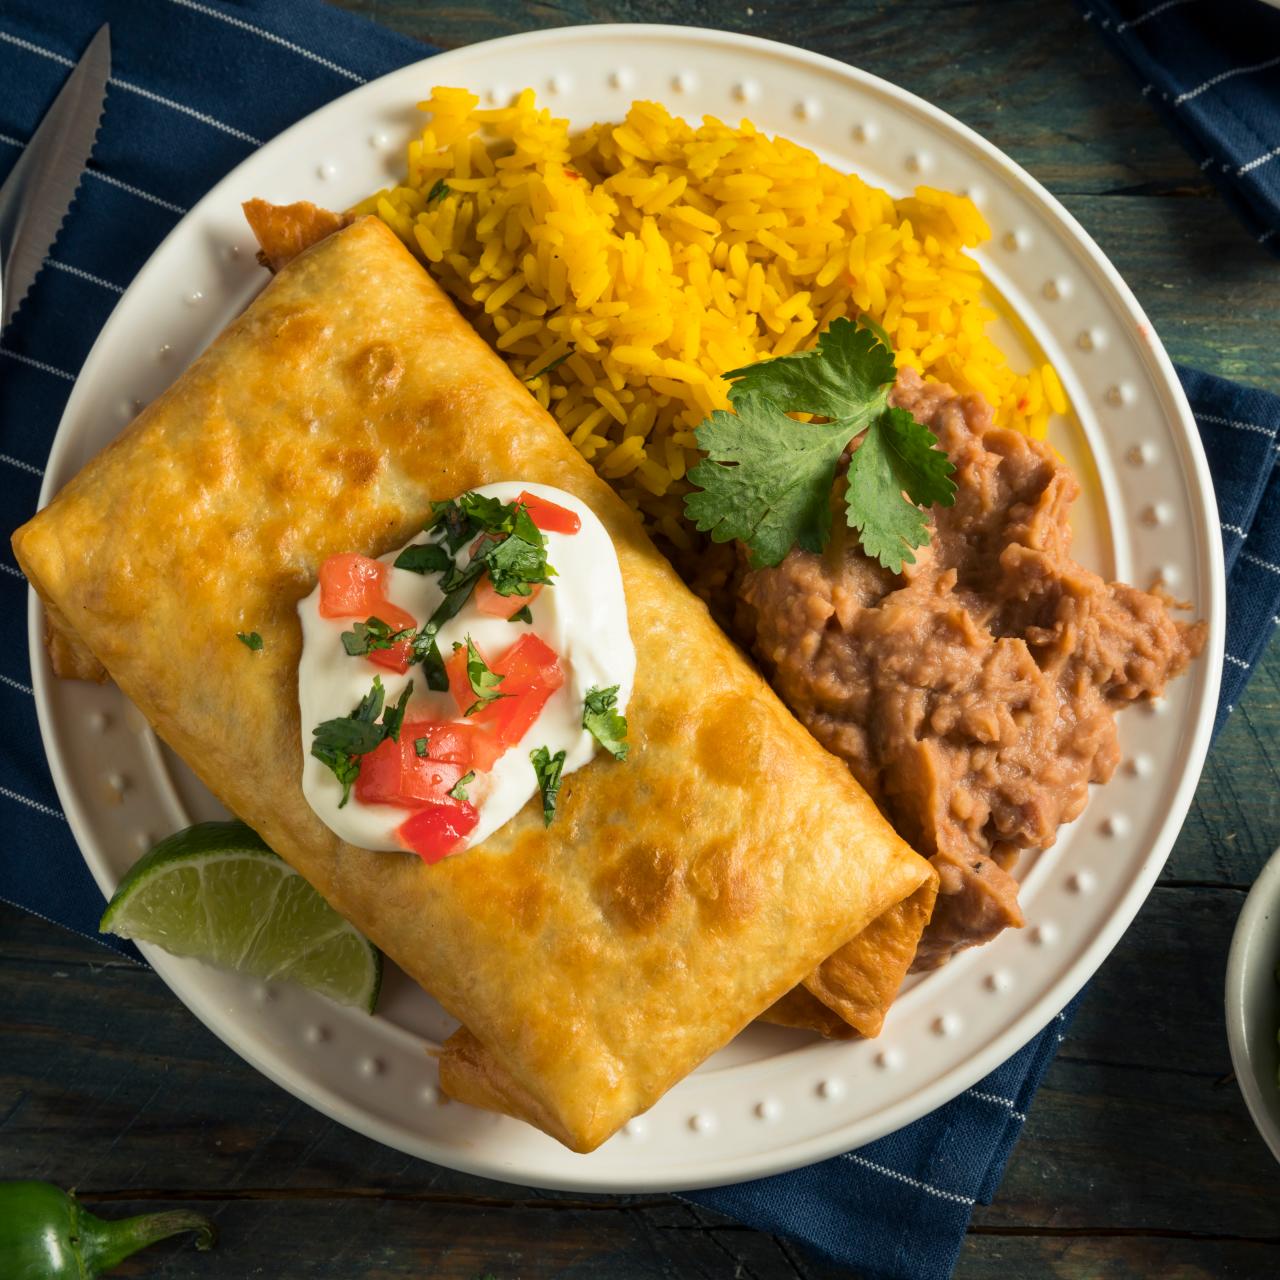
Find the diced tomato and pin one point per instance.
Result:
(455, 666)
(394, 616)
(464, 743)
(531, 674)
(351, 586)
(394, 659)
(550, 517)
(436, 831)
(380, 770)
(397, 657)
(394, 773)
(424, 780)
(509, 719)
(530, 661)
(496, 606)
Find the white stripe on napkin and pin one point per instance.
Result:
(35, 804)
(911, 1182)
(1235, 422)
(37, 364)
(1150, 13)
(202, 116)
(1008, 1103)
(83, 274)
(1258, 560)
(22, 466)
(106, 177)
(210, 12)
(1255, 162)
(1224, 75)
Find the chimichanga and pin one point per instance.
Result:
(674, 898)
(852, 990)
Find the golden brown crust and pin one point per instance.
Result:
(800, 1009)
(67, 655)
(285, 230)
(675, 897)
(860, 980)
(469, 1074)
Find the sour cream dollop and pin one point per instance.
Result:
(581, 615)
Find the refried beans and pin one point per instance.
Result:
(973, 695)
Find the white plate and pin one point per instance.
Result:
(773, 1099)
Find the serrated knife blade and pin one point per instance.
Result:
(38, 192)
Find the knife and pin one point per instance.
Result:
(38, 192)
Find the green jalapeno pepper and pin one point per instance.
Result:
(45, 1234)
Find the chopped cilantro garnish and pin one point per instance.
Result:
(251, 640)
(424, 649)
(454, 525)
(606, 724)
(522, 614)
(457, 586)
(547, 769)
(373, 634)
(439, 189)
(393, 717)
(424, 557)
(420, 746)
(516, 565)
(490, 514)
(484, 682)
(459, 789)
(369, 708)
(338, 744)
(523, 527)
(547, 368)
(514, 551)
(767, 478)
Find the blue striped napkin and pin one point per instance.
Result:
(197, 85)
(1212, 70)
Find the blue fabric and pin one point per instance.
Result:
(1212, 70)
(227, 76)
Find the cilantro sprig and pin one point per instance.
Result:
(606, 724)
(371, 635)
(338, 744)
(424, 557)
(766, 480)
(514, 550)
(547, 768)
(484, 682)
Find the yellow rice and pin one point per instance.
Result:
(646, 258)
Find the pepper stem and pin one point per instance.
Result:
(105, 1244)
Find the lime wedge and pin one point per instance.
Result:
(216, 892)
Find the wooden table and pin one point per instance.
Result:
(1138, 1158)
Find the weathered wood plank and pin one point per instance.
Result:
(1116, 1257)
(1234, 823)
(406, 1239)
